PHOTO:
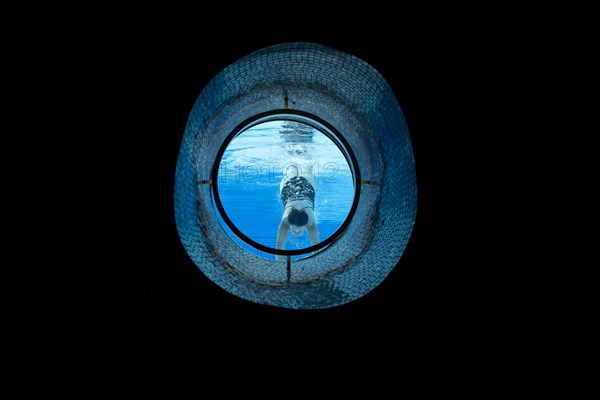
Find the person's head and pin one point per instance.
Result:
(297, 220)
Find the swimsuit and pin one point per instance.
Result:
(298, 189)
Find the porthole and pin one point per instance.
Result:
(285, 184)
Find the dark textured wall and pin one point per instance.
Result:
(354, 98)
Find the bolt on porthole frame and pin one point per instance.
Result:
(316, 123)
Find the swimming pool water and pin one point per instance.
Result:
(250, 172)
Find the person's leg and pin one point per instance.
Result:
(309, 174)
(289, 171)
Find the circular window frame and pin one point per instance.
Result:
(316, 123)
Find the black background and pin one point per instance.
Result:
(479, 292)
(457, 86)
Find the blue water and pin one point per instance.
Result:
(250, 172)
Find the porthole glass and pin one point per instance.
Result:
(285, 186)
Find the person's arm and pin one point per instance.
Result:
(313, 233)
(284, 228)
(311, 228)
